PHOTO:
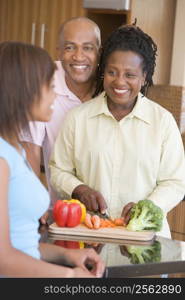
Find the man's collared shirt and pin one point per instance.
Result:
(44, 134)
(138, 157)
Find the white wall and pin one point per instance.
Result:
(178, 53)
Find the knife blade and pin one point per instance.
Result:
(103, 216)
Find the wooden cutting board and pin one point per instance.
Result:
(117, 232)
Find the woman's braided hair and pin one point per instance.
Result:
(129, 38)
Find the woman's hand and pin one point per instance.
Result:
(123, 250)
(93, 200)
(126, 212)
(96, 246)
(86, 259)
(43, 220)
(80, 273)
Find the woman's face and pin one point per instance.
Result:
(123, 78)
(42, 110)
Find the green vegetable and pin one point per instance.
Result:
(145, 254)
(145, 215)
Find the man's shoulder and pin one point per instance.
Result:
(59, 66)
(61, 88)
(59, 72)
(86, 107)
(35, 134)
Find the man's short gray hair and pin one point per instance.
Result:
(96, 28)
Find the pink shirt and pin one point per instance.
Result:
(44, 133)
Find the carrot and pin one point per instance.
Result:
(110, 223)
(88, 221)
(107, 223)
(95, 221)
(119, 222)
(102, 223)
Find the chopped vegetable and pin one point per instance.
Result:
(107, 223)
(88, 221)
(119, 222)
(95, 221)
(144, 254)
(145, 215)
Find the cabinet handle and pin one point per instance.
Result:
(33, 30)
(42, 34)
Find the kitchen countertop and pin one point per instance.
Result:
(119, 264)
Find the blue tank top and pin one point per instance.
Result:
(28, 200)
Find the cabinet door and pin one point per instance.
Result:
(36, 21)
(52, 15)
(3, 19)
(20, 18)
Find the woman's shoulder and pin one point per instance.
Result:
(5, 147)
(156, 107)
(9, 153)
(155, 113)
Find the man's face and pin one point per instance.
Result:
(79, 51)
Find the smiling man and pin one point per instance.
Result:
(78, 49)
(79, 43)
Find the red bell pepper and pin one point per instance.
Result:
(67, 214)
(69, 244)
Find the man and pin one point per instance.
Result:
(78, 48)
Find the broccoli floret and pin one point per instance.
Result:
(145, 215)
(145, 254)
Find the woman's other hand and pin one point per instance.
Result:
(126, 212)
(86, 259)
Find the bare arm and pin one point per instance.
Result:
(73, 257)
(33, 153)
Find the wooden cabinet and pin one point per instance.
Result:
(3, 19)
(36, 21)
(52, 15)
(176, 219)
(17, 18)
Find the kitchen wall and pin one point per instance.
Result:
(178, 52)
(157, 19)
